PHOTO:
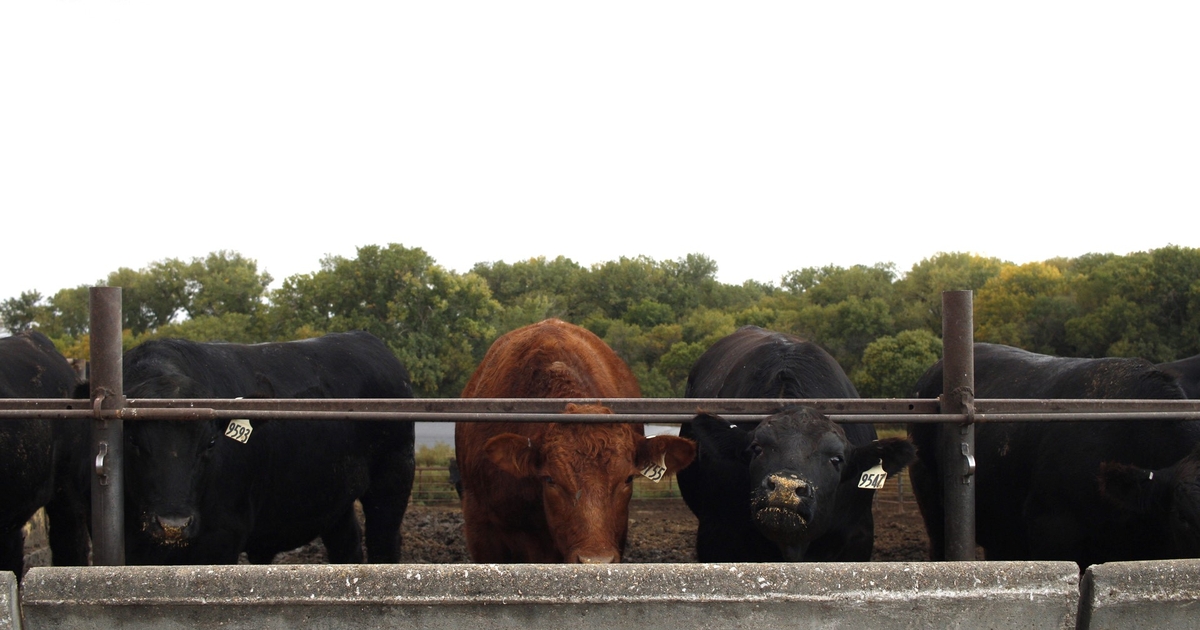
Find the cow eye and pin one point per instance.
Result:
(629, 479)
(755, 449)
(212, 443)
(548, 480)
(837, 461)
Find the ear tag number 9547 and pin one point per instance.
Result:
(873, 479)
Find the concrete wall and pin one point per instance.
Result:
(1158, 594)
(648, 596)
(9, 618)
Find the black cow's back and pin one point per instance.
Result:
(338, 365)
(1187, 372)
(1037, 493)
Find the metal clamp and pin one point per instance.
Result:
(96, 404)
(966, 451)
(101, 472)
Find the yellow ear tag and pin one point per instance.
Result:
(655, 472)
(239, 429)
(873, 479)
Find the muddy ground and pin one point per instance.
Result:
(660, 530)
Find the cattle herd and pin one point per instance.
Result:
(795, 487)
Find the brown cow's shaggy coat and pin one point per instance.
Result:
(553, 492)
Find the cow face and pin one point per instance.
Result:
(166, 467)
(796, 464)
(1170, 495)
(585, 474)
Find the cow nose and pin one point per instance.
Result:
(598, 559)
(174, 523)
(786, 490)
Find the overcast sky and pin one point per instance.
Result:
(769, 136)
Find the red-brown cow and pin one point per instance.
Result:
(554, 492)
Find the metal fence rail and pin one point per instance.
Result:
(655, 410)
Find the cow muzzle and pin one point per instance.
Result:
(598, 559)
(598, 556)
(783, 505)
(171, 530)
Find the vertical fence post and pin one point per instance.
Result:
(107, 392)
(956, 444)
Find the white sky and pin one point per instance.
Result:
(769, 136)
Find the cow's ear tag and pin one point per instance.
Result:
(873, 479)
(655, 472)
(239, 429)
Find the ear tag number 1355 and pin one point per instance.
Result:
(873, 479)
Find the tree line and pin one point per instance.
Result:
(882, 326)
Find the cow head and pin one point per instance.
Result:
(795, 461)
(586, 474)
(1170, 495)
(167, 465)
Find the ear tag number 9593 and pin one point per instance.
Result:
(239, 430)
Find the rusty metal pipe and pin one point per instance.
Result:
(956, 442)
(108, 487)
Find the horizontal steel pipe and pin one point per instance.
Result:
(620, 405)
(205, 413)
(551, 405)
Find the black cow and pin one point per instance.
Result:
(43, 463)
(1187, 371)
(1081, 491)
(196, 495)
(792, 459)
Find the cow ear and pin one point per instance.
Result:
(1132, 488)
(716, 438)
(515, 454)
(675, 453)
(895, 453)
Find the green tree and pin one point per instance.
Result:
(1145, 304)
(528, 309)
(677, 363)
(748, 295)
(706, 326)
(1026, 306)
(437, 322)
(229, 327)
(763, 317)
(20, 313)
(843, 328)
(919, 292)
(825, 286)
(554, 280)
(223, 282)
(689, 282)
(612, 288)
(68, 313)
(649, 313)
(891, 365)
